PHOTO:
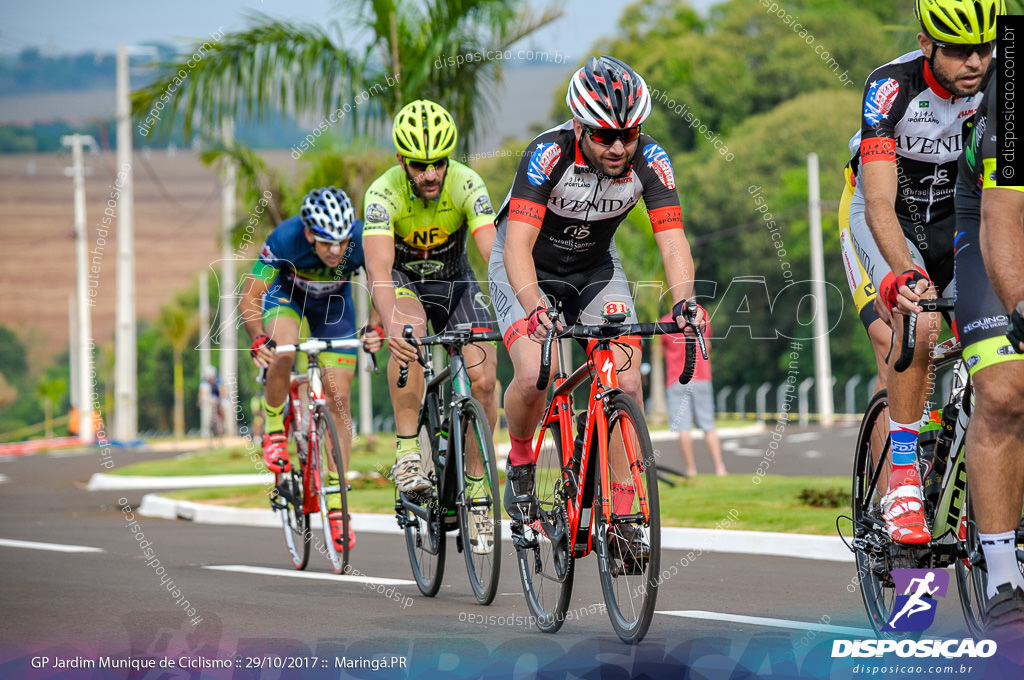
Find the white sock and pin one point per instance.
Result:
(1001, 559)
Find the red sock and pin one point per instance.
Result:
(622, 499)
(521, 452)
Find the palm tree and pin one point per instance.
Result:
(178, 325)
(304, 69)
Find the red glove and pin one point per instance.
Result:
(533, 321)
(260, 341)
(891, 285)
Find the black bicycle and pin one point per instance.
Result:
(454, 429)
(947, 506)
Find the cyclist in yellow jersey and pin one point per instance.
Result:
(417, 215)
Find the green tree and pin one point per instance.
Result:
(179, 325)
(309, 70)
(50, 392)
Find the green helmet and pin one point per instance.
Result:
(964, 22)
(424, 131)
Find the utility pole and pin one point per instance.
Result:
(126, 406)
(229, 304)
(84, 364)
(822, 359)
(205, 407)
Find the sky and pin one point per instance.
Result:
(74, 26)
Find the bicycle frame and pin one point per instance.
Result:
(443, 422)
(604, 385)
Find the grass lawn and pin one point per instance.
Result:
(704, 502)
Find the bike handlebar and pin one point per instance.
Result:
(316, 346)
(613, 328)
(460, 335)
(909, 340)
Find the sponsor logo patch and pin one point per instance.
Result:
(375, 212)
(662, 166)
(482, 206)
(879, 99)
(542, 162)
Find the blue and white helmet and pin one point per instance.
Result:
(329, 214)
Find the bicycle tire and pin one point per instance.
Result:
(425, 538)
(294, 522)
(543, 551)
(484, 568)
(628, 579)
(972, 577)
(328, 446)
(876, 555)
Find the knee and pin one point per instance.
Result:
(630, 382)
(1001, 401)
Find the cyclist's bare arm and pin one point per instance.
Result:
(678, 263)
(1002, 242)
(379, 251)
(522, 274)
(251, 307)
(484, 240)
(880, 187)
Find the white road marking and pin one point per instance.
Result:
(265, 571)
(812, 453)
(773, 623)
(748, 453)
(3, 478)
(55, 547)
(803, 437)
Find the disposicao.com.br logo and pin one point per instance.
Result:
(914, 612)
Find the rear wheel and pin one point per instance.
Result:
(629, 546)
(333, 497)
(479, 514)
(424, 531)
(543, 544)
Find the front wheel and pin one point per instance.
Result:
(479, 514)
(333, 495)
(629, 537)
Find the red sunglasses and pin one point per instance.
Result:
(607, 136)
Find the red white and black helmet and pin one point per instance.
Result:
(607, 93)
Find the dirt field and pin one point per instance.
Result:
(177, 218)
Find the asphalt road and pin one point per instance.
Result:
(721, 616)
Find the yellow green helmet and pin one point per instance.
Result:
(965, 22)
(424, 131)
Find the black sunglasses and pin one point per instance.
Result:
(607, 136)
(423, 166)
(964, 52)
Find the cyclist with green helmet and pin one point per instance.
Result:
(902, 218)
(417, 217)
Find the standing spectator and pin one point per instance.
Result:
(690, 402)
(209, 403)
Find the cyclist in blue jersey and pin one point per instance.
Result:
(303, 271)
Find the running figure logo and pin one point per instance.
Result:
(914, 610)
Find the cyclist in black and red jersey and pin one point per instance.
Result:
(575, 185)
(902, 217)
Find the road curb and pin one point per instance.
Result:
(694, 541)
